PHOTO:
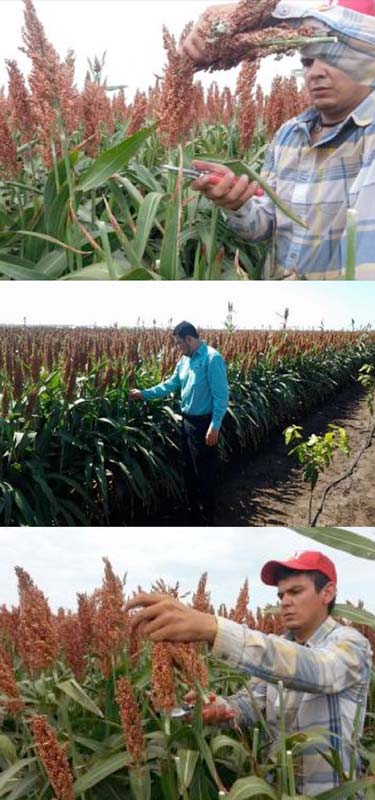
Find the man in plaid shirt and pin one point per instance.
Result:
(324, 666)
(322, 162)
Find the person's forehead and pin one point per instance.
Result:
(293, 581)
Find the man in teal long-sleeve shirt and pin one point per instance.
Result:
(200, 376)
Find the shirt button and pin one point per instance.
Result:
(282, 10)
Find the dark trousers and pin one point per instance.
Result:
(200, 464)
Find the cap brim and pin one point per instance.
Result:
(268, 572)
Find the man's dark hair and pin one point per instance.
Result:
(184, 329)
(318, 578)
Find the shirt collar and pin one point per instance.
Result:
(319, 635)
(200, 350)
(362, 115)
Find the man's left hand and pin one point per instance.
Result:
(163, 618)
(212, 437)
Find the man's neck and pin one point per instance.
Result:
(339, 114)
(302, 635)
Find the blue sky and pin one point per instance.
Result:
(65, 561)
(256, 304)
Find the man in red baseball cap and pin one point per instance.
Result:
(324, 666)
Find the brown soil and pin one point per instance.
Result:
(268, 488)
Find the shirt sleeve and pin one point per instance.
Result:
(218, 382)
(344, 661)
(171, 384)
(248, 703)
(256, 219)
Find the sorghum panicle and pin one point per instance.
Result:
(53, 757)
(130, 720)
(37, 637)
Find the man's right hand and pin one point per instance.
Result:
(135, 394)
(194, 46)
(213, 712)
(230, 192)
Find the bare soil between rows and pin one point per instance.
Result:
(267, 488)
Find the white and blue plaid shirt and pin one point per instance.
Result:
(320, 182)
(325, 681)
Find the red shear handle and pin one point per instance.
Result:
(259, 192)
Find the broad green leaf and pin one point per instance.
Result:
(7, 749)
(140, 783)
(145, 221)
(52, 265)
(341, 539)
(140, 274)
(51, 239)
(24, 786)
(239, 168)
(113, 160)
(358, 615)
(76, 693)
(169, 254)
(7, 776)
(19, 273)
(348, 789)
(100, 771)
(219, 742)
(94, 272)
(250, 787)
(186, 762)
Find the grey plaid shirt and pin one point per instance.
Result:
(325, 681)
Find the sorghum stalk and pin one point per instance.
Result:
(291, 779)
(283, 754)
(351, 243)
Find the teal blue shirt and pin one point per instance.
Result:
(202, 381)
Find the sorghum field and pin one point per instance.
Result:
(73, 451)
(82, 192)
(86, 705)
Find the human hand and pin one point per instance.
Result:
(135, 394)
(194, 45)
(229, 191)
(163, 618)
(213, 712)
(212, 436)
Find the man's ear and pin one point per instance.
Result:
(329, 592)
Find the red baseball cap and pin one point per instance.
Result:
(306, 561)
(362, 6)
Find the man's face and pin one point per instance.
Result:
(329, 88)
(185, 344)
(301, 605)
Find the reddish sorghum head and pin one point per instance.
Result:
(246, 106)
(37, 636)
(10, 166)
(176, 102)
(71, 642)
(8, 686)
(110, 628)
(53, 757)
(130, 720)
(21, 119)
(238, 613)
(201, 598)
(163, 687)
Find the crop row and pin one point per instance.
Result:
(74, 451)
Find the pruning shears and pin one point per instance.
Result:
(182, 711)
(193, 172)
